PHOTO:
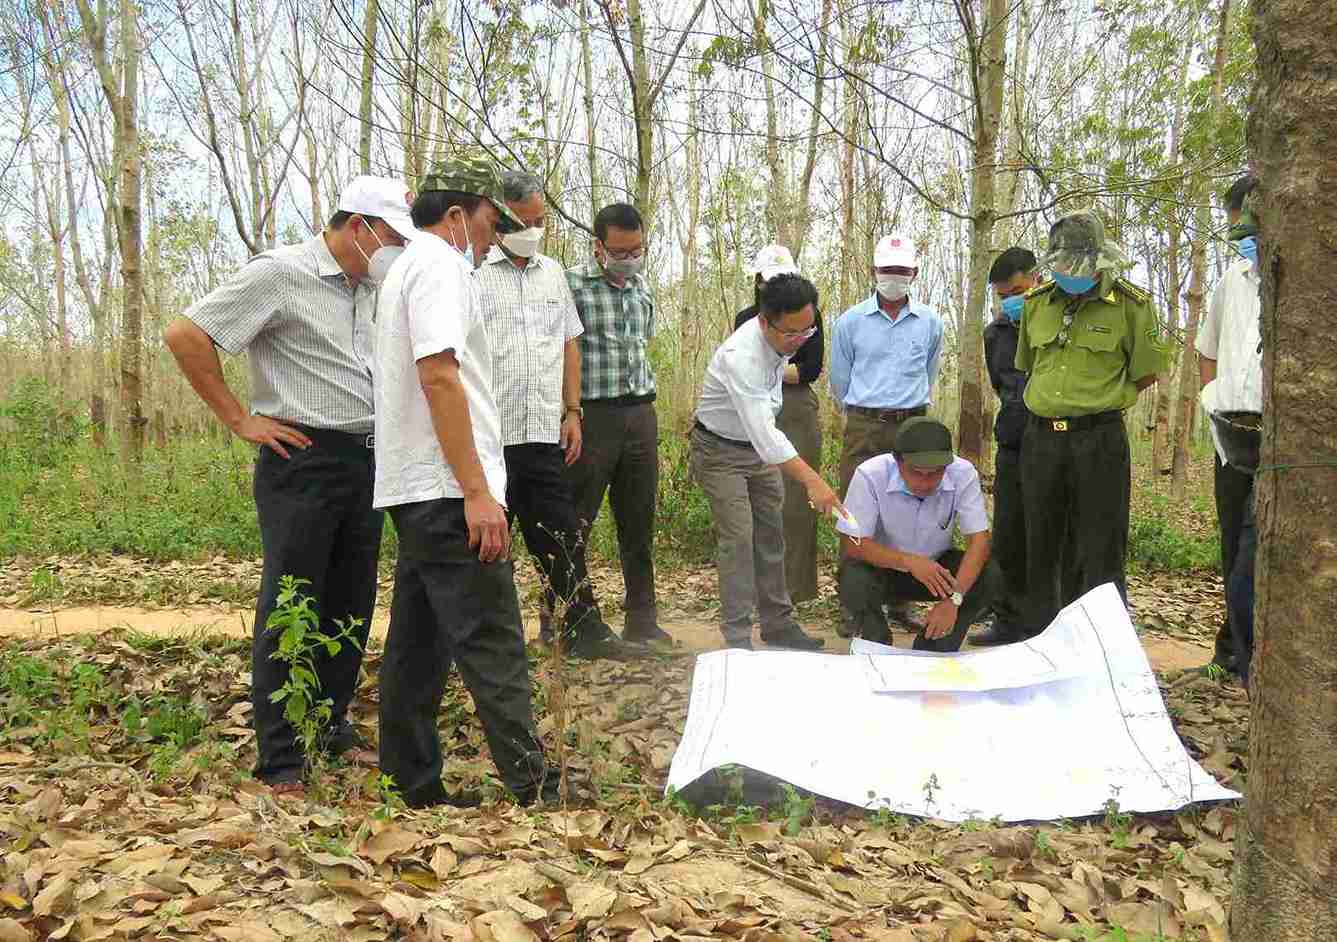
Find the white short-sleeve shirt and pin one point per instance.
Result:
(429, 304)
(888, 514)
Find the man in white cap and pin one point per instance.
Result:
(303, 314)
(885, 354)
(800, 422)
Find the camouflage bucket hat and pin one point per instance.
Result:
(1078, 247)
(1248, 221)
(475, 174)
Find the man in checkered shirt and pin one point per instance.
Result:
(532, 326)
(620, 448)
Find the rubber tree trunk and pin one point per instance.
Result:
(1286, 850)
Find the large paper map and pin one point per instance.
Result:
(1054, 727)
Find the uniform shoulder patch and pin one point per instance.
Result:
(1042, 288)
(1137, 293)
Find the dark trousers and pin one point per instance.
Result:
(620, 456)
(1239, 591)
(538, 494)
(316, 523)
(451, 609)
(1075, 489)
(1234, 490)
(865, 588)
(1009, 542)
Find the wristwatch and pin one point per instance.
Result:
(579, 411)
(957, 598)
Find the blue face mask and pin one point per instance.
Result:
(1012, 307)
(1248, 247)
(1073, 285)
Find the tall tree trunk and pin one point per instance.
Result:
(803, 200)
(777, 194)
(587, 100)
(1286, 843)
(128, 221)
(990, 54)
(641, 109)
(370, 21)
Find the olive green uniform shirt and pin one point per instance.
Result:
(1093, 364)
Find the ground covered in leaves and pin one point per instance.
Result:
(126, 812)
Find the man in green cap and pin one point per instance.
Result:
(1091, 342)
(897, 547)
(441, 473)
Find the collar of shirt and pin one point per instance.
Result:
(591, 270)
(871, 305)
(896, 483)
(496, 256)
(326, 264)
(754, 346)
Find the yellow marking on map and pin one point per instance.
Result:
(952, 670)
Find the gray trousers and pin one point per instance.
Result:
(746, 501)
(801, 423)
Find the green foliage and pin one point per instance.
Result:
(797, 810)
(297, 623)
(1154, 541)
(37, 426)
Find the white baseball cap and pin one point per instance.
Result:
(895, 251)
(773, 260)
(382, 197)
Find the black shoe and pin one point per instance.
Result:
(792, 637)
(548, 792)
(646, 634)
(342, 738)
(593, 644)
(435, 794)
(995, 633)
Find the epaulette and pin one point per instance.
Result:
(1137, 293)
(1040, 289)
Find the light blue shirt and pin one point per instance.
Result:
(888, 514)
(879, 363)
(741, 395)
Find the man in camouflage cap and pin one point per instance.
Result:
(1090, 342)
(441, 473)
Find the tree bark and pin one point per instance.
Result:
(1286, 845)
(369, 24)
(129, 224)
(587, 100)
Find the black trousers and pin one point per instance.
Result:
(451, 609)
(1234, 490)
(1009, 542)
(1239, 591)
(620, 456)
(538, 494)
(865, 588)
(1075, 489)
(316, 523)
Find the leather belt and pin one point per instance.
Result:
(1076, 423)
(718, 437)
(888, 415)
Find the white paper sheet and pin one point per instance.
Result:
(1055, 727)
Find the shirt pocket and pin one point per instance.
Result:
(1098, 351)
(549, 314)
(1043, 337)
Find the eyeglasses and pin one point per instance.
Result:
(793, 334)
(625, 256)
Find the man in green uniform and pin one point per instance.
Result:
(1091, 342)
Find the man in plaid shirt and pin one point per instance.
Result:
(620, 451)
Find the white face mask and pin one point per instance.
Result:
(472, 253)
(381, 260)
(525, 243)
(894, 287)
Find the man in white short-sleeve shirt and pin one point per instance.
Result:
(906, 506)
(441, 475)
(533, 327)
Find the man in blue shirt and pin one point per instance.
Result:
(885, 354)
(906, 506)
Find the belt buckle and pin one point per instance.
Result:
(1060, 425)
(370, 441)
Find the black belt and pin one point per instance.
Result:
(1076, 423)
(718, 437)
(888, 415)
(334, 440)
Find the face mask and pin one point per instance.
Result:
(525, 243)
(470, 251)
(1248, 247)
(1073, 285)
(894, 287)
(624, 267)
(1012, 307)
(380, 261)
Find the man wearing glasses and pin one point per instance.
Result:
(896, 542)
(738, 455)
(620, 445)
(1091, 342)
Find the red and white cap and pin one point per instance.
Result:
(382, 197)
(772, 260)
(895, 251)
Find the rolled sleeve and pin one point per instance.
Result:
(755, 410)
(433, 297)
(235, 312)
(972, 517)
(861, 501)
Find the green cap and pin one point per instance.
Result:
(1078, 247)
(924, 442)
(475, 174)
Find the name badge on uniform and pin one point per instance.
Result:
(1100, 329)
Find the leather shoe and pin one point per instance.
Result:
(600, 643)
(792, 637)
(646, 634)
(435, 794)
(995, 633)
